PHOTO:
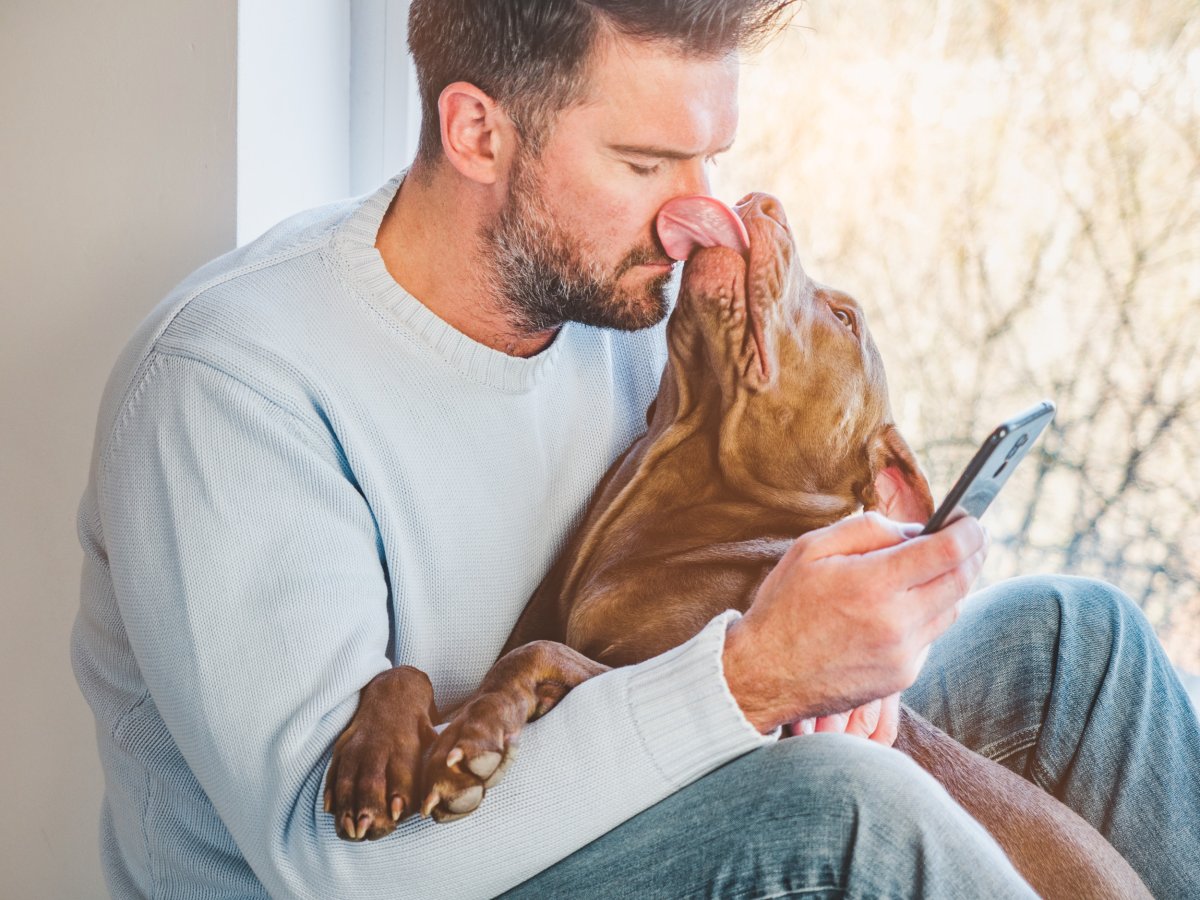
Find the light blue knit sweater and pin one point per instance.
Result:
(301, 476)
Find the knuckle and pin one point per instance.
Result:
(892, 631)
(949, 551)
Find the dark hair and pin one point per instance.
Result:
(530, 55)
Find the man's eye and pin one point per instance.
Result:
(643, 170)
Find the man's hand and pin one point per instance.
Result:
(876, 721)
(847, 617)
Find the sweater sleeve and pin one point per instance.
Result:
(247, 569)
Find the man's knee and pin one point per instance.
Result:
(849, 813)
(845, 781)
(1047, 610)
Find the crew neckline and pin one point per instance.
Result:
(355, 240)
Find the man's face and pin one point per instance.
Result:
(575, 240)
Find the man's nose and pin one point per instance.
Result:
(693, 178)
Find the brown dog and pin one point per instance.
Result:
(772, 419)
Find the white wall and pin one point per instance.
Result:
(117, 166)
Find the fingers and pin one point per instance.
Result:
(943, 596)
(833, 724)
(865, 719)
(856, 535)
(953, 551)
(889, 721)
(876, 721)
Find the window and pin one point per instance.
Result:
(1009, 190)
(327, 104)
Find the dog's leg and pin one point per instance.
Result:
(1056, 851)
(374, 776)
(476, 748)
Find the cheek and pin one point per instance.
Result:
(608, 218)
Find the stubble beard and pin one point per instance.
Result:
(544, 280)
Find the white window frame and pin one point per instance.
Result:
(385, 105)
(327, 104)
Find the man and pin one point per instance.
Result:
(360, 441)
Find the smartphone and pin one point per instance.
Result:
(991, 466)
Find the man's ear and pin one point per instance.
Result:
(478, 138)
(898, 487)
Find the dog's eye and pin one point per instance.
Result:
(844, 317)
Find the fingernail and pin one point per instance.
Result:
(911, 529)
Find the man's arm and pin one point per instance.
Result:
(247, 569)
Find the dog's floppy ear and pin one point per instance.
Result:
(898, 487)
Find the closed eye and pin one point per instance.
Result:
(643, 170)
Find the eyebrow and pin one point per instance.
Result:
(662, 152)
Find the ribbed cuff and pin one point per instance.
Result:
(683, 708)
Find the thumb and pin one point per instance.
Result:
(860, 534)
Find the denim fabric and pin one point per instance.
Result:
(1061, 679)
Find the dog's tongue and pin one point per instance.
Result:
(686, 223)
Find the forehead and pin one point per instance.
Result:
(647, 93)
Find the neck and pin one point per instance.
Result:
(431, 244)
(687, 424)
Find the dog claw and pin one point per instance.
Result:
(431, 801)
(455, 756)
(364, 824)
(397, 808)
(348, 827)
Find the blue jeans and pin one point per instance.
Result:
(1060, 679)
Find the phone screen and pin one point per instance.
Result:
(991, 466)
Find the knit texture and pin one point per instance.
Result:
(301, 477)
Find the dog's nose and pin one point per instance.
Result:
(763, 204)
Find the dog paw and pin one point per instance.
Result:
(471, 755)
(374, 777)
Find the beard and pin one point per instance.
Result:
(544, 279)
